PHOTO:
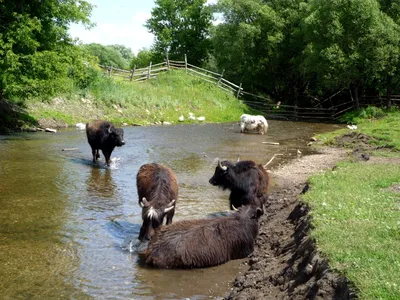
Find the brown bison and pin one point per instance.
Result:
(102, 135)
(205, 242)
(247, 181)
(158, 192)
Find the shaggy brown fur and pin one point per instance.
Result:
(158, 185)
(205, 242)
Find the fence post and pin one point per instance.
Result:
(238, 92)
(149, 71)
(220, 77)
(167, 62)
(110, 71)
(133, 72)
(185, 63)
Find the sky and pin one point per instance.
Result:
(118, 22)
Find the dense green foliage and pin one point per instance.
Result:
(305, 51)
(117, 56)
(143, 59)
(181, 27)
(37, 56)
(355, 224)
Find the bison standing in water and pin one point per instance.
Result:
(102, 135)
(157, 191)
(205, 242)
(247, 181)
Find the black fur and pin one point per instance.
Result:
(102, 135)
(247, 181)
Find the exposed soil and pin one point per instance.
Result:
(285, 263)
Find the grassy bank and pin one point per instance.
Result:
(355, 209)
(159, 100)
(384, 132)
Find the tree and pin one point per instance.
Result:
(181, 27)
(142, 59)
(107, 55)
(350, 44)
(36, 51)
(125, 52)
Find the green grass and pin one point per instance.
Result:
(385, 130)
(163, 99)
(357, 225)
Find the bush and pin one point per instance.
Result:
(356, 117)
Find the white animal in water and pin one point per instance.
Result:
(80, 126)
(253, 124)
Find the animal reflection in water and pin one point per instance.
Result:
(100, 183)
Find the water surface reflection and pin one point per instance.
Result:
(64, 219)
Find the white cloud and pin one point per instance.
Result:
(132, 34)
(211, 1)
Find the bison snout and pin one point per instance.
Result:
(123, 143)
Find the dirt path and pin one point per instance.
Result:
(285, 264)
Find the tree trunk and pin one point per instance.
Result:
(356, 98)
(389, 93)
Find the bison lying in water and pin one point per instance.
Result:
(158, 191)
(205, 242)
(247, 181)
(102, 135)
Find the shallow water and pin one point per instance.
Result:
(65, 222)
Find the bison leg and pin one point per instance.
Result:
(94, 154)
(97, 154)
(170, 215)
(107, 156)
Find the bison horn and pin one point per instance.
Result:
(167, 209)
(169, 206)
(109, 129)
(234, 208)
(144, 203)
(223, 168)
(238, 159)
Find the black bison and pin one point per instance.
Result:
(158, 192)
(204, 242)
(102, 135)
(247, 181)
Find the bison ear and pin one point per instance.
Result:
(144, 203)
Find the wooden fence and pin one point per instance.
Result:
(265, 105)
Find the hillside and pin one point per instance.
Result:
(159, 100)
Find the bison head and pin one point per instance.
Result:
(117, 134)
(221, 176)
(249, 212)
(152, 217)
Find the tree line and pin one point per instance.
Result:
(298, 52)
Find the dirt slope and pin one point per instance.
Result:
(285, 263)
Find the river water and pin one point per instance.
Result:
(65, 222)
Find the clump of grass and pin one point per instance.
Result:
(357, 225)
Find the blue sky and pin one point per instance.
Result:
(118, 22)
